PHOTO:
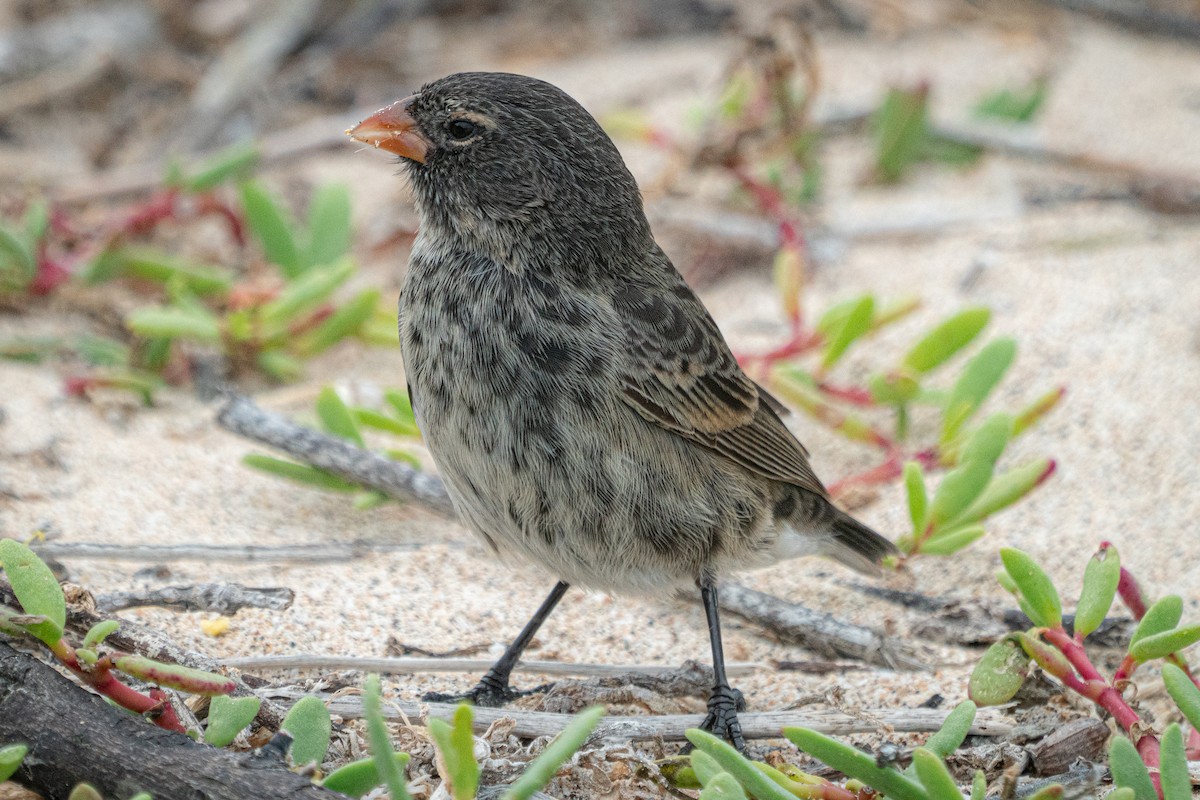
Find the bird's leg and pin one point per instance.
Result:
(725, 701)
(493, 689)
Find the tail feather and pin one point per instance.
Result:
(856, 545)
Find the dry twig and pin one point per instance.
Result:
(223, 598)
(411, 666)
(756, 725)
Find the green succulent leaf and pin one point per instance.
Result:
(1007, 488)
(999, 674)
(344, 322)
(852, 762)
(359, 777)
(539, 773)
(36, 588)
(893, 389)
(85, 791)
(989, 441)
(383, 422)
(280, 365)
(329, 231)
(1014, 105)
(457, 745)
(854, 326)
(1128, 769)
(737, 765)
(150, 265)
(723, 786)
(174, 323)
(303, 293)
(273, 229)
(901, 129)
(384, 756)
(1035, 586)
(232, 162)
(336, 417)
(1161, 645)
(10, 760)
(310, 726)
(99, 632)
(228, 716)
(950, 541)
(940, 344)
(1161, 617)
(918, 497)
(174, 676)
(301, 473)
(1047, 657)
(1121, 793)
(934, 776)
(979, 786)
(1100, 579)
(1184, 692)
(1173, 766)
(953, 731)
(705, 766)
(980, 376)
(958, 490)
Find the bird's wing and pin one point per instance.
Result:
(678, 372)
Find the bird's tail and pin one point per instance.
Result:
(856, 545)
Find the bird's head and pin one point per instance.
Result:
(511, 165)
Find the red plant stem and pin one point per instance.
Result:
(155, 706)
(1099, 691)
(1125, 671)
(209, 203)
(1135, 600)
(890, 469)
(854, 395)
(1131, 593)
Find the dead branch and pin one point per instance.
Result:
(814, 630)
(74, 736)
(412, 666)
(245, 64)
(756, 725)
(393, 478)
(223, 598)
(1138, 17)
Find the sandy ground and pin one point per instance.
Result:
(1103, 297)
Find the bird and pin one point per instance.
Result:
(577, 398)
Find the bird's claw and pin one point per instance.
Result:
(722, 720)
(490, 692)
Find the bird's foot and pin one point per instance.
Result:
(722, 720)
(490, 692)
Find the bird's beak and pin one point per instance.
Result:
(393, 129)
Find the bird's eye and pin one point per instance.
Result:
(461, 129)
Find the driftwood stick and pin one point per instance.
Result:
(816, 631)
(668, 727)
(74, 736)
(411, 666)
(223, 598)
(393, 478)
(296, 553)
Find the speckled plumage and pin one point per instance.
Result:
(578, 399)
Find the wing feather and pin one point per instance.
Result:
(679, 373)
